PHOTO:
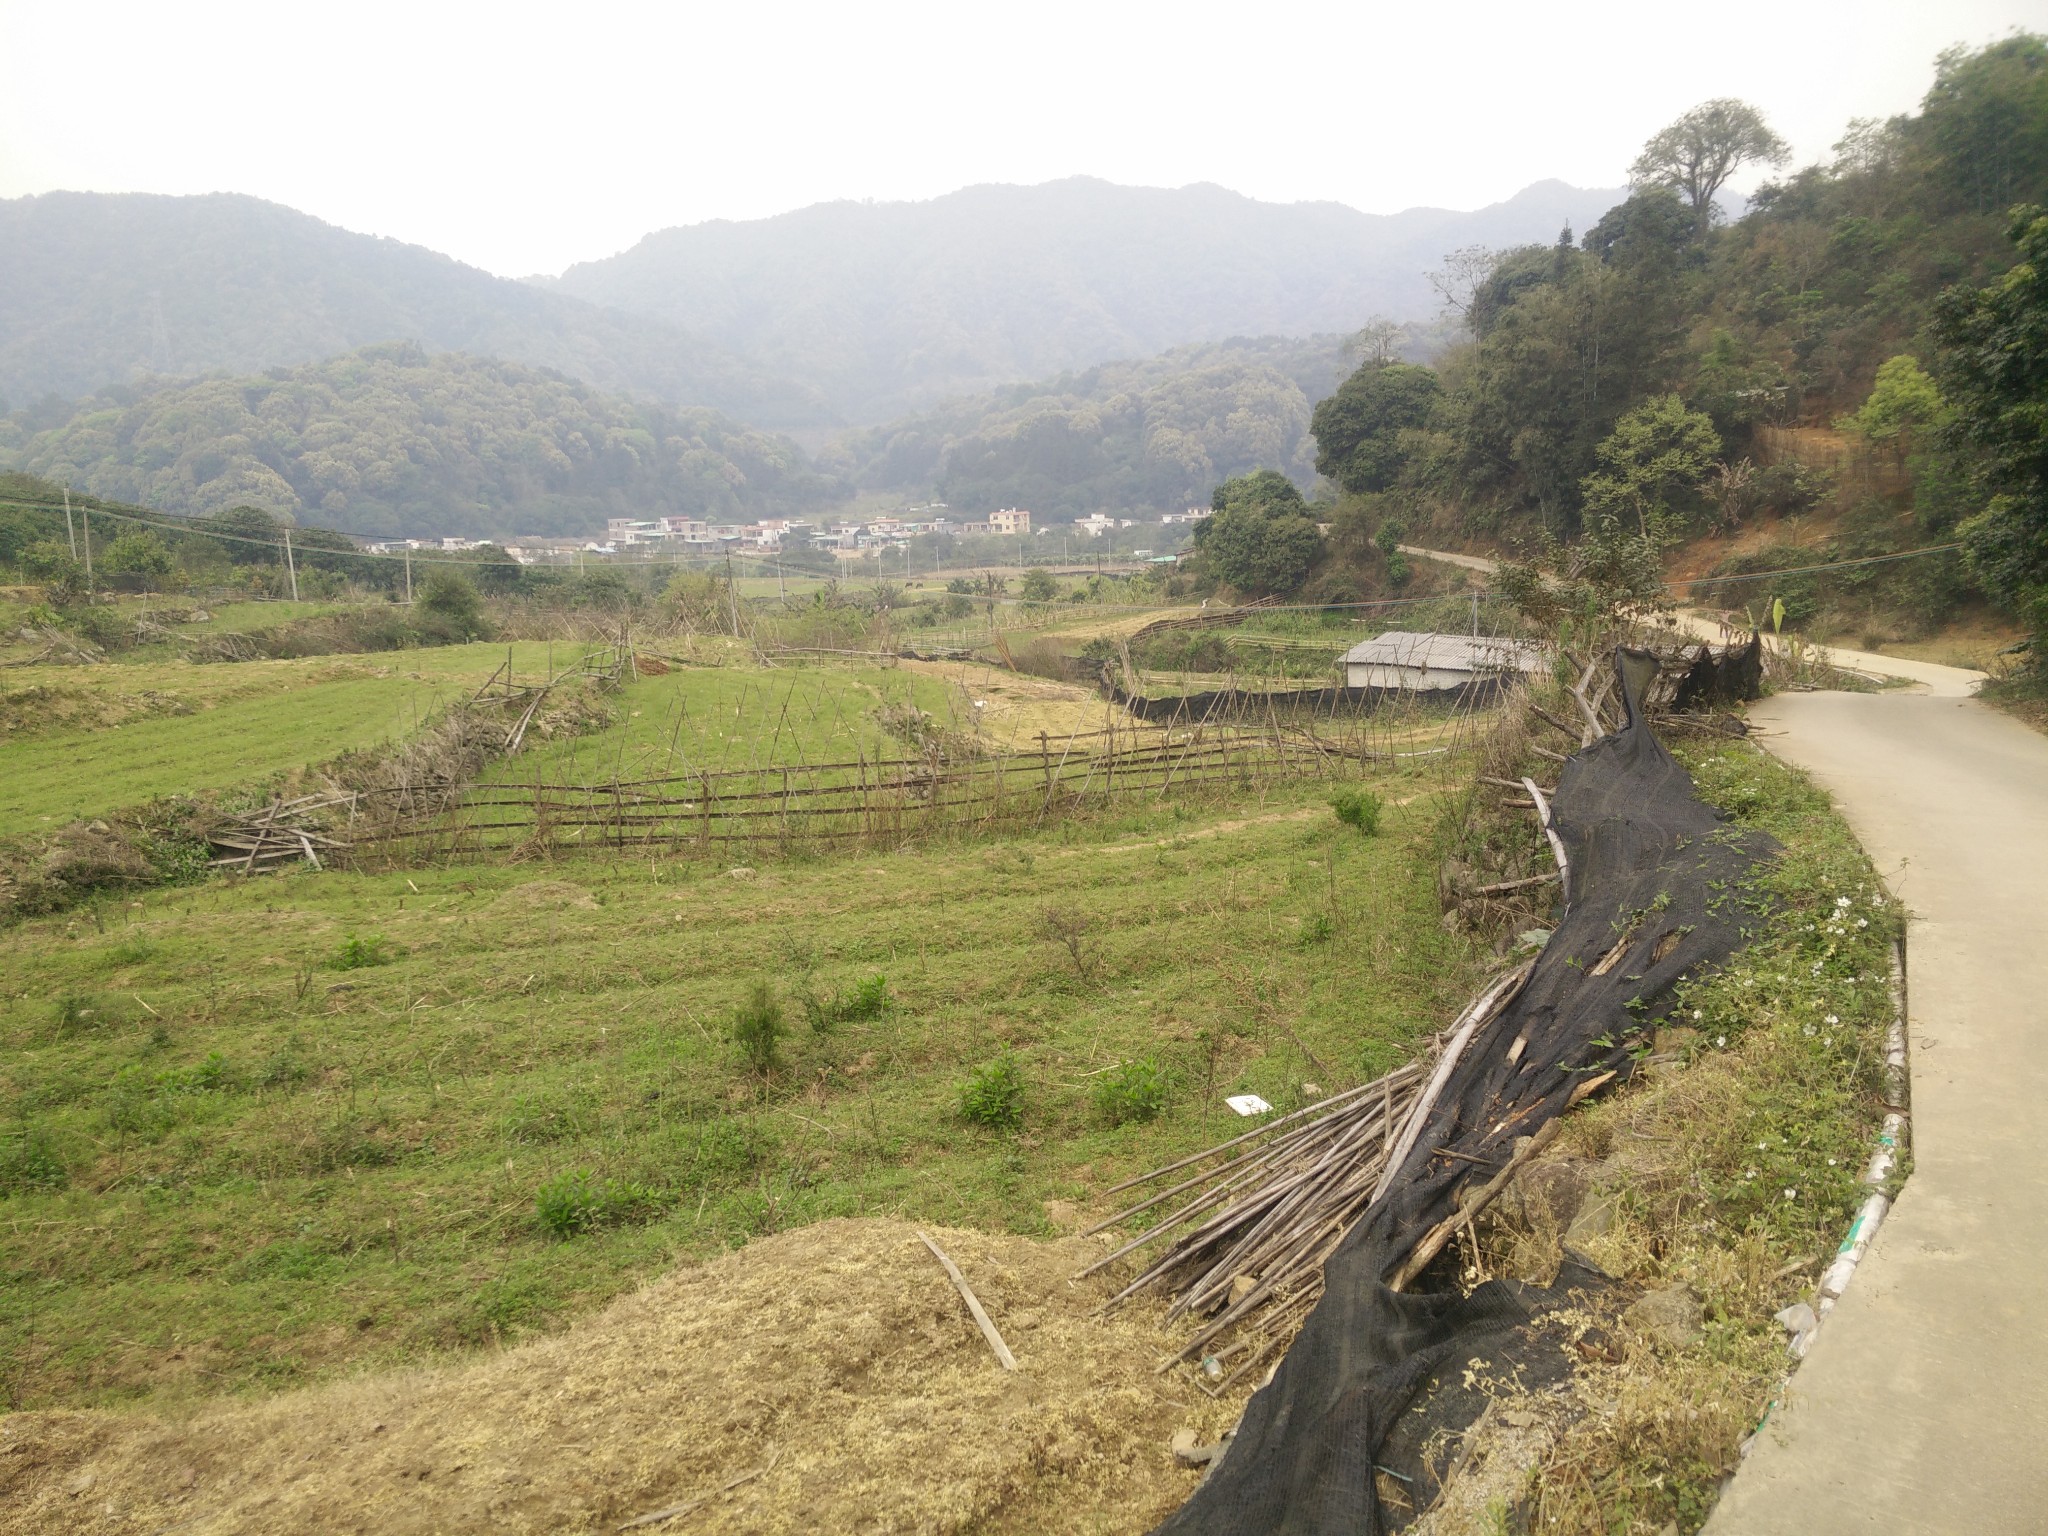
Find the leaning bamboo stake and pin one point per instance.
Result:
(1468, 1211)
(1490, 1002)
(1564, 866)
(988, 1329)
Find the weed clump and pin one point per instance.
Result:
(865, 999)
(360, 950)
(1359, 808)
(573, 1201)
(994, 1094)
(1073, 931)
(29, 1160)
(1134, 1091)
(1317, 928)
(77, 1012)
(757, 1028)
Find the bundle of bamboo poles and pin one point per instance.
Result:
(1279, 1207)
(284, 831)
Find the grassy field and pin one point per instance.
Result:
(704, 719)
(128, 732)
(260, 1132)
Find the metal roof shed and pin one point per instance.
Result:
(1405, 659)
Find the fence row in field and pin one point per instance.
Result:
(884, 802)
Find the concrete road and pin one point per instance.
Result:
(1923, 1406)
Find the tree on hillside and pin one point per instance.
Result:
(1038, 586)
(1260, 538)
(248, 535)
(138, 552)
(1903, 406)
(1994, 369)
(1697, 154)
(1652, 465)
(1358, 429)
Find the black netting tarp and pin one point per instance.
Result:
(1654, 892)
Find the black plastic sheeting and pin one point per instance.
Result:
(1656, 893)
(1726, 677)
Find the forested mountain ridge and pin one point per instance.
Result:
(105, 289)
(896, 307)
(394, 440)
(1155, 434)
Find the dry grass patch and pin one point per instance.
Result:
(836, 1360)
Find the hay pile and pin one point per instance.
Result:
(838, 1356)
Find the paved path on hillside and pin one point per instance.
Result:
(1923, 1406)
(1950, 682)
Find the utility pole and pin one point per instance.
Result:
(1475, 614)
(408, 575)
(85, 517)
(290, 564)
(70, 533)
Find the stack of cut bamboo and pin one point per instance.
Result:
(1274, 1213)
(1279, 1207)
(281, 832)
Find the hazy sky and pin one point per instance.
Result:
(524, 137)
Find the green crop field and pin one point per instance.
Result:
(128, 733)
(705, 719)
(260, 1131)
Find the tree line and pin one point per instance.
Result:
(1624, 383)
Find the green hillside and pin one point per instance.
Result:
(391, 440)
(1156, 434)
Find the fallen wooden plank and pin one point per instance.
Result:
(988, 1329)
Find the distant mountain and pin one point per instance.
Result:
(897, 306)
(394, 440)
(99, 289)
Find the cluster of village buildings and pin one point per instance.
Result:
(691, 535)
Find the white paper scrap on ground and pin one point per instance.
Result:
(1249, 1104)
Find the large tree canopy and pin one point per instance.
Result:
(1697, 154)
(1995, 375)
(1260, 538)
(1358, 429)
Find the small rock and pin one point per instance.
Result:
(1190, 1452)
(80, 1484)
(743, 872)
(1671, 1316)
(1242, 1286)
(1591, 1223)
(1799, 1322)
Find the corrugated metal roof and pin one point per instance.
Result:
(1446, 653)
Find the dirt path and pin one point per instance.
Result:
(1923, 1406)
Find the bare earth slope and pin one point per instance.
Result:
(838, 1357)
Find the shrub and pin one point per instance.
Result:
(77, 1012)
(1317, 928)
(757, 1028)
(573, 1201)
(1134, 1091)
(1359, 808)
(29, 1160)
(1072, 929)
(359, 950)
(867, 999)
(994, 1093)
